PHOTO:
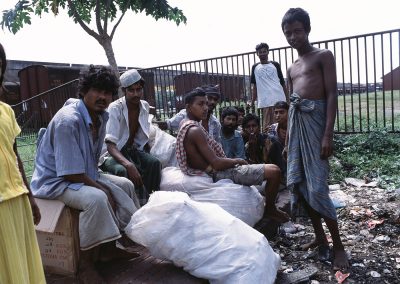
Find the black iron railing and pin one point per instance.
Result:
(36, 112)
(368, 75)
(367, 72)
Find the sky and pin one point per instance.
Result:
(214, 28)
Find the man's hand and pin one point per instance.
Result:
(267, 145)
(239, 161)
(267, 129)
(35, 210)
(134, 175)
(107, 191)
(326, 147)
(252, 139)
(250, 103)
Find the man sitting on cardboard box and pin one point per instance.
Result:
(66, 169)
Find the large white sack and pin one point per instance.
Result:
(243, 202)
(163, 146)
(204, 239)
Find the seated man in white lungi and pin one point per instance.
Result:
(66, 169)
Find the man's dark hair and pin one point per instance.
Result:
(282, 105)
(249, 117)
(262, 45)
(297, 14)
(229, 111)
(198, 92)
(212, 90)
(240, 109)
(100, 78)
(3, 63)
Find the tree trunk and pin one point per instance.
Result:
(107, 46)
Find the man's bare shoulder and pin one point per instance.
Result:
(195, 132)
(322, 54)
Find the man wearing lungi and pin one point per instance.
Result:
(66, 169)
(126, 150)
(313, 104)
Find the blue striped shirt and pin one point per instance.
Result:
(67, 148)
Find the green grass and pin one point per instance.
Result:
(374, 155)
(362, 115)
(369, 111)
(26, 143)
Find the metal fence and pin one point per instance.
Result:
(36, 112)
(368, 75)
(367, 72)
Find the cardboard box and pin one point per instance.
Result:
(58, 237)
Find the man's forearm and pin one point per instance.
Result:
(117, 155)
(254, 92)
(82, 178)
(331, 108)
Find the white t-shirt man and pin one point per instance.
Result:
(269, 84)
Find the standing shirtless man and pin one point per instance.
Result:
(312, 85)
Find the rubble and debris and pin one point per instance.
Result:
(370, 231)
(374, 274)
(341, 277)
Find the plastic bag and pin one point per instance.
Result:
(204, 239)
(243, 202)
(163, 147)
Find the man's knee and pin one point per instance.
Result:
(272, 171)
(127, 185)
(96, 198)
(154, 163)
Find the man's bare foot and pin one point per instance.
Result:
(340, 261)
(89, 275)
(277, 215)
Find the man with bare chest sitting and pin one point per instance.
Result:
(125, 152)
(199, 154)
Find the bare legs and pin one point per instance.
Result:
(340, 261)
(272, 174)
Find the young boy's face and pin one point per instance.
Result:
(198, 109)
(280, 115)
(240, 118)
(252, 127)
(295, 34)
(263, 53)
(212, 102)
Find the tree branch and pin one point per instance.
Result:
(116, 25)
(98, 19)
(106, 15)
(82, 23)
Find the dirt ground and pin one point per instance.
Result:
(370, 228)
(369, 220)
